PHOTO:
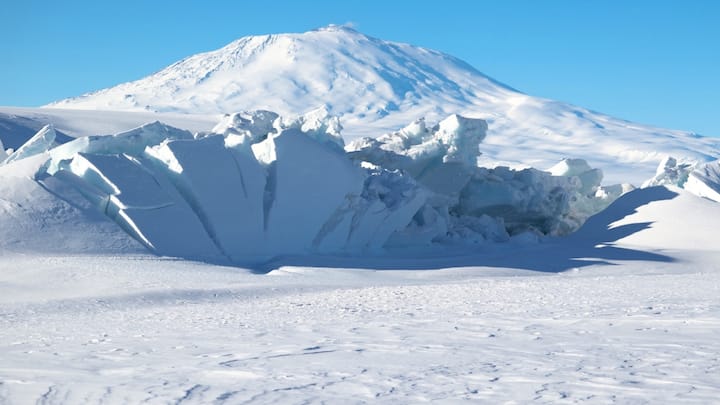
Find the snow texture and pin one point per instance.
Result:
(624, 311)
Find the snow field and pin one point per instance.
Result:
(159, 331)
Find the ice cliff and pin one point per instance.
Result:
(259, 185)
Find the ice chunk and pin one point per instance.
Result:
(41, 142)
(704, 181)
(225, 190)
(466, 198)
(589, 178)
(670, 173)
(308, 182)
(441, 158)
(247, 127)
(528, 199)
(389, 202)
(3, 153)
(319, 125)
(476, 229)
(145, 205)
(265, 187)
(570, 167)
(455, 139)
(462, 137)
(613, 191)
(132, 143)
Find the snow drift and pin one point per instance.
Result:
(259, 185)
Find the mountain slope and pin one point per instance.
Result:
(338, 67)
(377, 86)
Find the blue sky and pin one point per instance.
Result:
(654, 62)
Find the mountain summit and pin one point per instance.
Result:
(376, 86)
(335, 66)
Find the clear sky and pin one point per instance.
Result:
(654, 62)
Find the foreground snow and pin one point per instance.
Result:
(619, 312)
(163, 331)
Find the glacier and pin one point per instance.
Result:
(260, 185)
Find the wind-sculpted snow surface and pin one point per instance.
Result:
(260, 185)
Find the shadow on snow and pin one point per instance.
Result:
(590, 245)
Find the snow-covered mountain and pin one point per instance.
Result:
(388, 269)
(376, 86)
(359, 77)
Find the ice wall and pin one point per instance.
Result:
(261, 186)
(473, 203)
(218, 197)
(224, 190)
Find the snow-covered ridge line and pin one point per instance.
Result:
(259, 185)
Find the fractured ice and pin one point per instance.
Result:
(260, 186)
(701, 179)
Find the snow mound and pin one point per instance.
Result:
(662, 218)
(262, 186)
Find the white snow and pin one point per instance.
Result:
(596, 318)
(375, 87)
(430, 262)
